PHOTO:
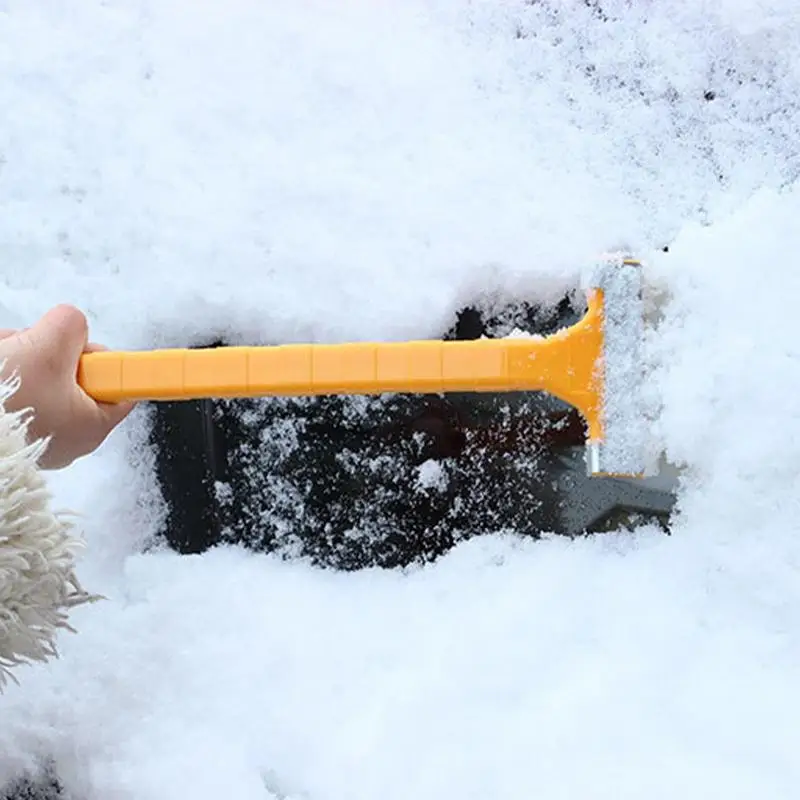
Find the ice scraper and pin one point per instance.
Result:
(594, 365)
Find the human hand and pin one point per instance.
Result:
(46, 357)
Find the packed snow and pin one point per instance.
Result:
(300, 170)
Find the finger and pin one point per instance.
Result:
(94, 347)
(6, 333)
(114, 413)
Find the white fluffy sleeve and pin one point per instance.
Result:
(38, 585)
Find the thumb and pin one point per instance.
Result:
(59, 337)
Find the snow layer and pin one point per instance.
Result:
(312, 170)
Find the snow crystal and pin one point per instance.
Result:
(431, 475)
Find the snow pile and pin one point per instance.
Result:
(283, 171)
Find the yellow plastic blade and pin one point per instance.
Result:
(566, 364)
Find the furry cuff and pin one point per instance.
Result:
(38, 584)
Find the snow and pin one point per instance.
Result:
(307, 170)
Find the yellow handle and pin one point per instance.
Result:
(565, 364)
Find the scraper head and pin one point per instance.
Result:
(620, 449)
